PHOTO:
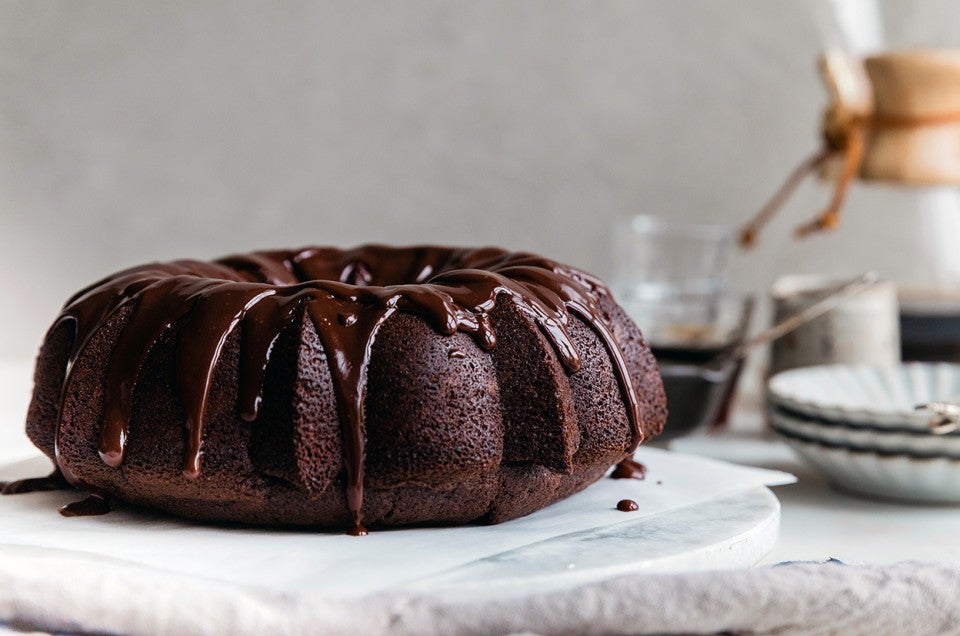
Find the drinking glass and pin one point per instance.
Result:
(657, 258)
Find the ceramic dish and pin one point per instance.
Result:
(906, 441)
(887, 476)
(879, 396)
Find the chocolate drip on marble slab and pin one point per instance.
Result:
(53, 481)
(92, 506)
(629, 469)
(627, 505)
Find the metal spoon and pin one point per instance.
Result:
(833, 297)
(945, 418)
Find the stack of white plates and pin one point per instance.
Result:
(861, 426)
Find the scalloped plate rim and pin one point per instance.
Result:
(777, 394)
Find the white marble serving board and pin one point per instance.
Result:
(695, 513)
(730, 532)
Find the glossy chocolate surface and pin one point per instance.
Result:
(347, 295)
(629, 469)
(93, 505)
(53, 481)
(627, 505)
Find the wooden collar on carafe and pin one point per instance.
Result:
(844, 128)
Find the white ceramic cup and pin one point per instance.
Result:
(864, 328)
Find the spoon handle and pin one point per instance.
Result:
(834, 296)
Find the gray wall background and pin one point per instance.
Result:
(139, 131)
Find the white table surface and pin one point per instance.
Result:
(817, 522)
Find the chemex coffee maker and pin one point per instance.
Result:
(894, 118)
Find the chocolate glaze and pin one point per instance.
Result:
(93, 505)
(347, 295)
(627, 505)
(53, 481)
(629, 469)
(358, 531)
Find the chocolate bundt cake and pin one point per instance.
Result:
(327, 387)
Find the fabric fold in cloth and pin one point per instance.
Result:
(81, 594)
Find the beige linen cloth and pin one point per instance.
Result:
(82, 594)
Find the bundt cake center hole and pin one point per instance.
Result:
(357, 274)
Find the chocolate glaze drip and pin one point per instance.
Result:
(357, 531)
(53, 481)
(93, 505)
(629, 469)
(627, 505)
(347, 295)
